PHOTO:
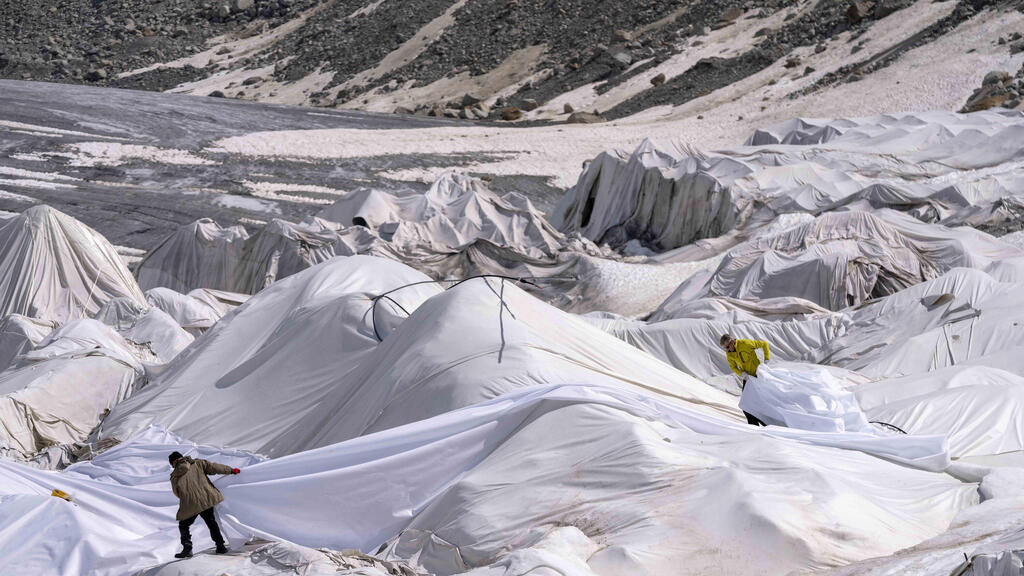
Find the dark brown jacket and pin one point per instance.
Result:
(193, 489)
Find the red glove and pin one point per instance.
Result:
(235, 470)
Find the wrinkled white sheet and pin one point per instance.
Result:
(805, 398)
(363, 492)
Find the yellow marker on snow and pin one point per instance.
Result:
(61, 494)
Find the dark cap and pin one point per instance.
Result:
(174, 457)
(724, 339)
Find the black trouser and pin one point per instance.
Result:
(752, 420)
(211, 523)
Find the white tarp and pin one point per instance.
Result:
(19, 334)
(53, 267)
(804, 397)
(61, 389)
(456, 211)
(202, 254)
(446, 480)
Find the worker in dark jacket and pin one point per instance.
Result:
(743, 360)
(197, 497)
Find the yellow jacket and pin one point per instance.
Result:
(745, 359)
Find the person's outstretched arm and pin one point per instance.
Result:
(215, 468)
(764, 346)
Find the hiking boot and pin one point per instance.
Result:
(222, 549)
(185, 553)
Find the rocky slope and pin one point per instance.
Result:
(477, 59)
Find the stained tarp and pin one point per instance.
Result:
(61, 390)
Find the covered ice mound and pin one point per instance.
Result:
(61, 390)
(53, 267)
(844, 258)
(986, 425)
(935, 166)
(963, 316)
(198, 310)
(19, 334)
(668, 500)
(664, 198)
(691, 344)
(477, 341)
(202, 254)
(147, 327)
(282, 248)
(260, 372)
(456, 211)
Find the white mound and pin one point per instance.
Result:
(61, 390)
(202, 254)
(457, 210)
(53, 267)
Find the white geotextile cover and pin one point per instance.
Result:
(278, 356)
(150, 328)
(53, 267)
(932, 165)
(315, 334)
(691, 345)
(60, 390)
(963, 316)
(19, 334)
(202, 254)
(680, 492)
(188, 312)
(456, 211)
(843, 259)
(807, 398)
(980, 409)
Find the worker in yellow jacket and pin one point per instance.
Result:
(743, 360)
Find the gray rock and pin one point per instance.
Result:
(859, 11)
(658, 80)
(585, 118)
(401, 110)
(1017, 46)
(623, 58)
(242, 5)
(529, 104)
(470, 99)
(96, 74)
(623, 36)
(252, 80)
(511, 114)
(568, 109)
(995, 77)
(216, 94)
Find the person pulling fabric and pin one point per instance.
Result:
(743, 360)
(197, 497)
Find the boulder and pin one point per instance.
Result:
(859, 11)
(568, 109)
(216, 94)
(401, 110)
(511, 114)
(995, 77)
(530, 104)
(658, 80)
(623, 36)
(470, 99)
(1017, 46)
(241, 5)
(252, 80)
(96, 74)
(792, 62)
(585, 118)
